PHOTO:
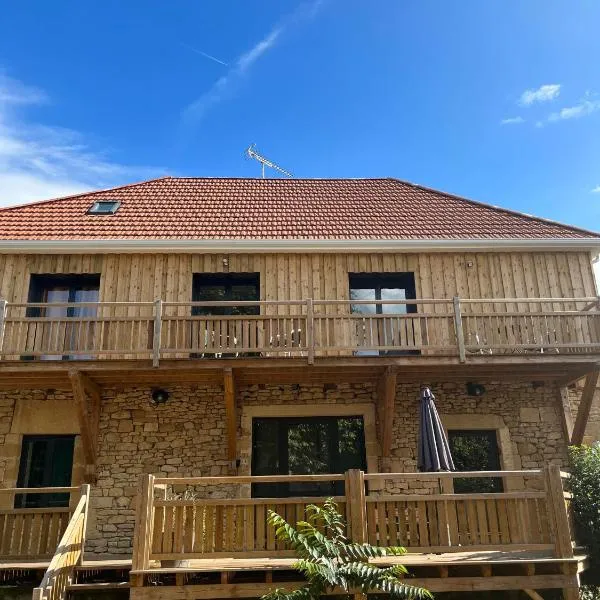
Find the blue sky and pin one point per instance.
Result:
(94, 94)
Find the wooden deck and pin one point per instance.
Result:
(455, 542)
(214, 542)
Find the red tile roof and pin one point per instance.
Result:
(276, 209)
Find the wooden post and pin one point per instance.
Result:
(460, 336)
(84, 490)
(563, 548)
(585, 406)
(230, 414)
(356, 507)
(310, 331)
(2, 322)
(564, 410)
(143, 525)
(157, 332)
(387, 397)
(88, 421)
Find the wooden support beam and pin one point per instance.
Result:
(230, 414)
(387, 398)
(564, 409)
(88, 415)
(585, 406)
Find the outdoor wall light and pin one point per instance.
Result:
(475, 389)
(159, 396)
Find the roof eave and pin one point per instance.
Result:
(233, 246)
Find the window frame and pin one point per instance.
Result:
(377, 281)
(227, 281)
(492, 434)
(281, 490)
(93, 209)
(33, 500)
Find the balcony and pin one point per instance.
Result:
(308, 329)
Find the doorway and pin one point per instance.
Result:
(306, 446)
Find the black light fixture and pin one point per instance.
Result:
(475, 389)
(159, 396)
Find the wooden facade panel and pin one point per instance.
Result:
(144, 277)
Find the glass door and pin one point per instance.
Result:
(46, 461)
(306, 446)
(64, 331)
(380, 287)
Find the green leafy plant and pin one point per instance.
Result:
(584, 484)
(330, 562)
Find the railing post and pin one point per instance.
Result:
(84, 490)
(460, 336)
(143, 525)
(310, 331)
(2, 323)
(356, 507)
(157, 332)
(563, 548)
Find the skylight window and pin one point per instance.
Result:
(104, 207)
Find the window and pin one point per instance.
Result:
(61, 290)
(46, 461)
(219, 287)
(306, 446)
(475, 450)
(104, 207)
(382, 286)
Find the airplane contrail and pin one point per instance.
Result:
(205, 55)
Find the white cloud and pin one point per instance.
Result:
(596, 190)
(512, 121)
(586, 107)
(226, 85)
(544, 93)
(39, 161)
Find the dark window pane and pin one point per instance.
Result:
(305, 446)
(230, 287)
(46, 461)
(475, 450)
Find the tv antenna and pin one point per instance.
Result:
(252, 153)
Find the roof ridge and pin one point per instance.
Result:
(93, 192)
(501, 209)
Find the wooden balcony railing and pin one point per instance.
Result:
(216, 518)
(28, 534)
(307, 328)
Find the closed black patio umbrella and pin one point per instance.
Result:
(434, 451)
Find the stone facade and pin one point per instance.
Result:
(187, 435)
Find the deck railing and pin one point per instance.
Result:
(305, 328)
(216, 517)
(67, 555)
(33, 533)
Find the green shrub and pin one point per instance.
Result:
(585, 487)
(329, 561)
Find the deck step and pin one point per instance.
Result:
(97, 590)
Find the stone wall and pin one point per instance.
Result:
(184, 437)
(187, 437)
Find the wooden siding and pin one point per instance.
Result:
(144, 277)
